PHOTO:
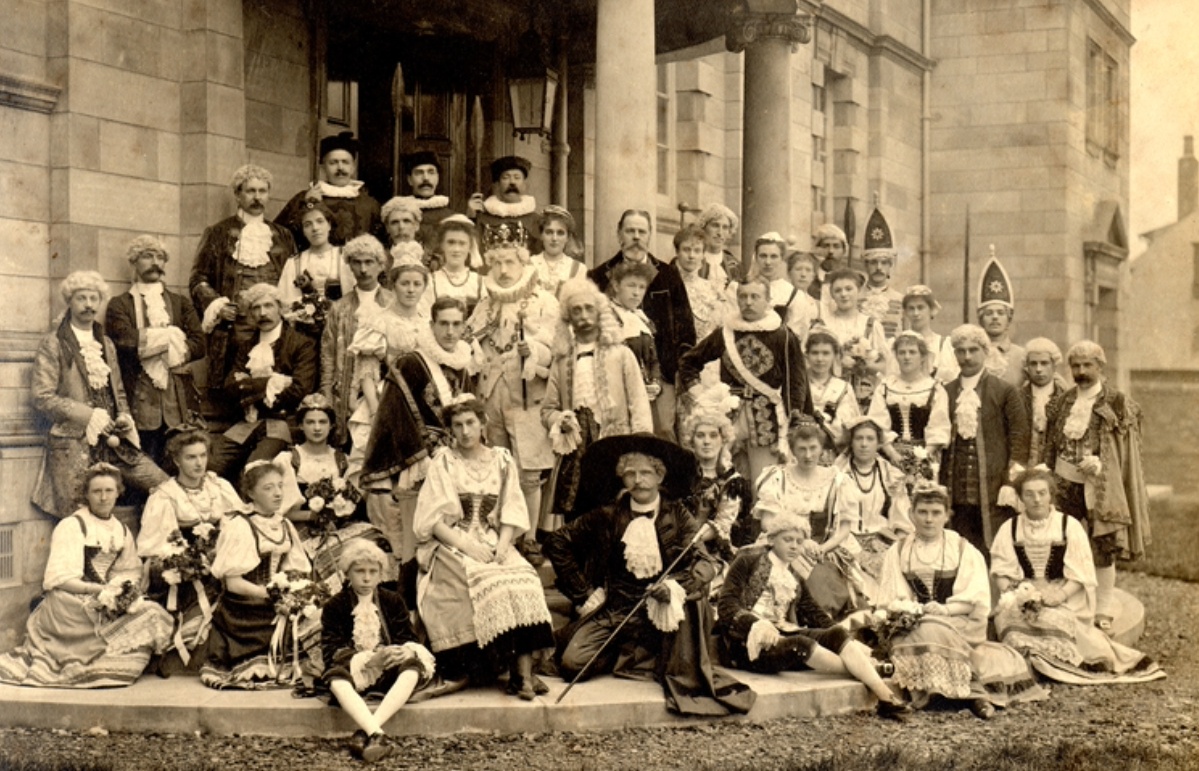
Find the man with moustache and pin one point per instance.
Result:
(77, 385)
(623, 548)
(1093, 447)
(355, 213)
(408, 428)
(996, 309)
(988, 446)
(271, 373)
(666, 304)
(423, 171)
(155, 331)
(831, 247)
(234, 255)
(879, 299)
(508, 215)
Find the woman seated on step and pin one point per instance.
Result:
(92, 628)
(770, 623)
(1041, 562)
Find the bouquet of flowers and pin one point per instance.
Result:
(115, 600)
(186, 561)
(894, 620)
(312, 308)
(330, 500)
(916, 464)
(1025, 597)
(857, 357)
(293, 594)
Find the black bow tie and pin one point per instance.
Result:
(584, 355)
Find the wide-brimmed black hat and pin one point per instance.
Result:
(500, 165)
(421, 158)
(599, 485)
(343, 141)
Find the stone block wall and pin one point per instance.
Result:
(1169, 400)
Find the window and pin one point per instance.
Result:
(822, 167)
(665, 130)
(1103, 103)
(8, 555)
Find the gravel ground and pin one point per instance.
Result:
(1163, 715)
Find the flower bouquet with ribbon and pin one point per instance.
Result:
(916, 464)
(311, 310)
(115, 600)
(294, 595)
(331, 500)
(858, 359)
(1025, 597)
(895, 619)
(188, 562)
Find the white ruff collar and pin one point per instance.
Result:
(346, 191)
(498, 208)
(432, 202)
(767, 323)
(499, 294)
(460, 358)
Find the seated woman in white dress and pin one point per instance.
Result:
(250, 551)
(818, 495)
(482, 604)
(914, 405)
(946, 653)
(875, 513)
(72, 640)
(833, 401)
(187, 509)
(1041, 562)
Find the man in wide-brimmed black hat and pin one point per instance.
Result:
(625, 548)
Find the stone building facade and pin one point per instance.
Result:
(130, 117)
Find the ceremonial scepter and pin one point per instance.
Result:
(476, 135)
(524, 384)
(966, 273)
(851, 228)
(397, 108)
(665, 573)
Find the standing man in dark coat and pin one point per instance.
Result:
(424, 174)
(155, 332)
(988, 446)
(234, 255)
(665, 304)
(355, 213)
(616, 553)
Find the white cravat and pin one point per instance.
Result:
(965, 415)
(584, 379)
(642, 555)
(253, 247)
(1080, 412)
(1040, 400)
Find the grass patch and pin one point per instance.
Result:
(1069, 755)
(1175, 541)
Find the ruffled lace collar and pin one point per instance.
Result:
(497, 208)
(459, 359)
(352, 190)
(767, 323)
(368, 629)
(432, 202)
(526, 283)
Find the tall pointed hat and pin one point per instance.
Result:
(878, 233)
(995, 288)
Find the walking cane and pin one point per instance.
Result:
(524, 384)
(694, 540)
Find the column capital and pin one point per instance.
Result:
(747, 28)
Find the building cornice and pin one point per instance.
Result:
(875, 45)
(26, 94)
(1113, 23)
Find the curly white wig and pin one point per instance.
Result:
(80, 280)
(829, 230)
(584, 288)
(969, 333)
(715, 211)
(400, 203)
(364, 246)
(1044, 345)
(248, 172)
(493, 252)
(784, 522)
(713, 405)
(1086, 349)
(146, 244)
(361, 551)
(260, 292)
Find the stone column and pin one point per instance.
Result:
(626, 146)
(768, 31)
